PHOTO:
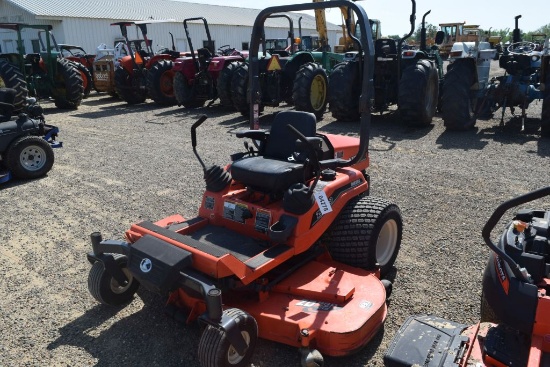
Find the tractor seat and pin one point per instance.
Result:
(275, 169)
(385, 48)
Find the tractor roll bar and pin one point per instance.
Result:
(367, 66)
(497, 214)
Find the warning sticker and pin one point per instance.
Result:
(234, 211)
(262, 221)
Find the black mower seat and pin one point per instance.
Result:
(276, 170)
(7, 97)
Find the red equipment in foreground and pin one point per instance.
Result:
(286, 232)
(515, 308)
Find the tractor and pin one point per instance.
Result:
(466, 82)
(287, 244)
(143, 73)
(407, 78)
(198, 77)
(41, 75)
(526, 79)
(26, 142)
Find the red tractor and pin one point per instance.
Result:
(204, 76)
(143, 73)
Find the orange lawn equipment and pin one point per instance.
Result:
(286, 231)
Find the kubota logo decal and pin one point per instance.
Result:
(145, 265)
(501, 273)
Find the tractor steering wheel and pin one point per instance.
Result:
(225, 50)
(521, 48)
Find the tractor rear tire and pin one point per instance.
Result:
(545, 115)
(418, 93)
(87, 79)
(12, 77)
(239, 89)
(184, 93)
(367, 231)
(105, 289)
(127, 88)
(310, 89)
(456, 103)
(29, 157)
(69, 86)
(224, 84)
(160, 83)
(215, 349)
(344, 91)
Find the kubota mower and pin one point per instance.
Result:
(515, 307)
(286, 233)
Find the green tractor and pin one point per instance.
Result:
(40, 75)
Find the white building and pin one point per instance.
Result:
(87, 23)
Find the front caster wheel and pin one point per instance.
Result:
(215, 350)
(105, 289)
(311, 358)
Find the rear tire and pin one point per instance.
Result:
(29, 157)
(184, 92)
(310, 91)
(160, 83)
(69, 86)
(105, 289)
(128, 88)
(366, 232)
(12, 77)
(224, 84)
(87, 80)
(456, 102)
(344, 90)
(215, 350)
(545, 115)
(239, 89)
(418, 93)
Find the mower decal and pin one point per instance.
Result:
(314, 306)
(365, 305)
(335, 195)
(502, 277)
(323, 202)
(146, 265)
(263, 218)
(209, 202)
(234, 211)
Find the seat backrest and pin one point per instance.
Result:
(7, 97)
(282, 142)
(384, 47)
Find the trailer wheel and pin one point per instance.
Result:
(310, 91)
(87, 79)
(344, 89)
(184, 92)
(128, 88)
(69, 87)
(239, 89)
(456, 103)
(105, 289)
(160, 83)
(545, 116)
(224, 83)
(486, 313)
(215, 350)
(367, 231)
(29, 157)
(418, 93)
(11, 77)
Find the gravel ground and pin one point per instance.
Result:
(121, 164)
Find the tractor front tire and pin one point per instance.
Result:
(29, 157)
(343, 92)
(160, 83)
(185, 95)
(310, 91)
(127, 89)
(12, 77)
(69, 86)
(87, 79)
(215, 350)
(224, 84)
(545, 115)
(239, 89)
(367, 231)
(456, 102)
(105, 289)
(418, 93)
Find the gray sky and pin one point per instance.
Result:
(394, 14)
